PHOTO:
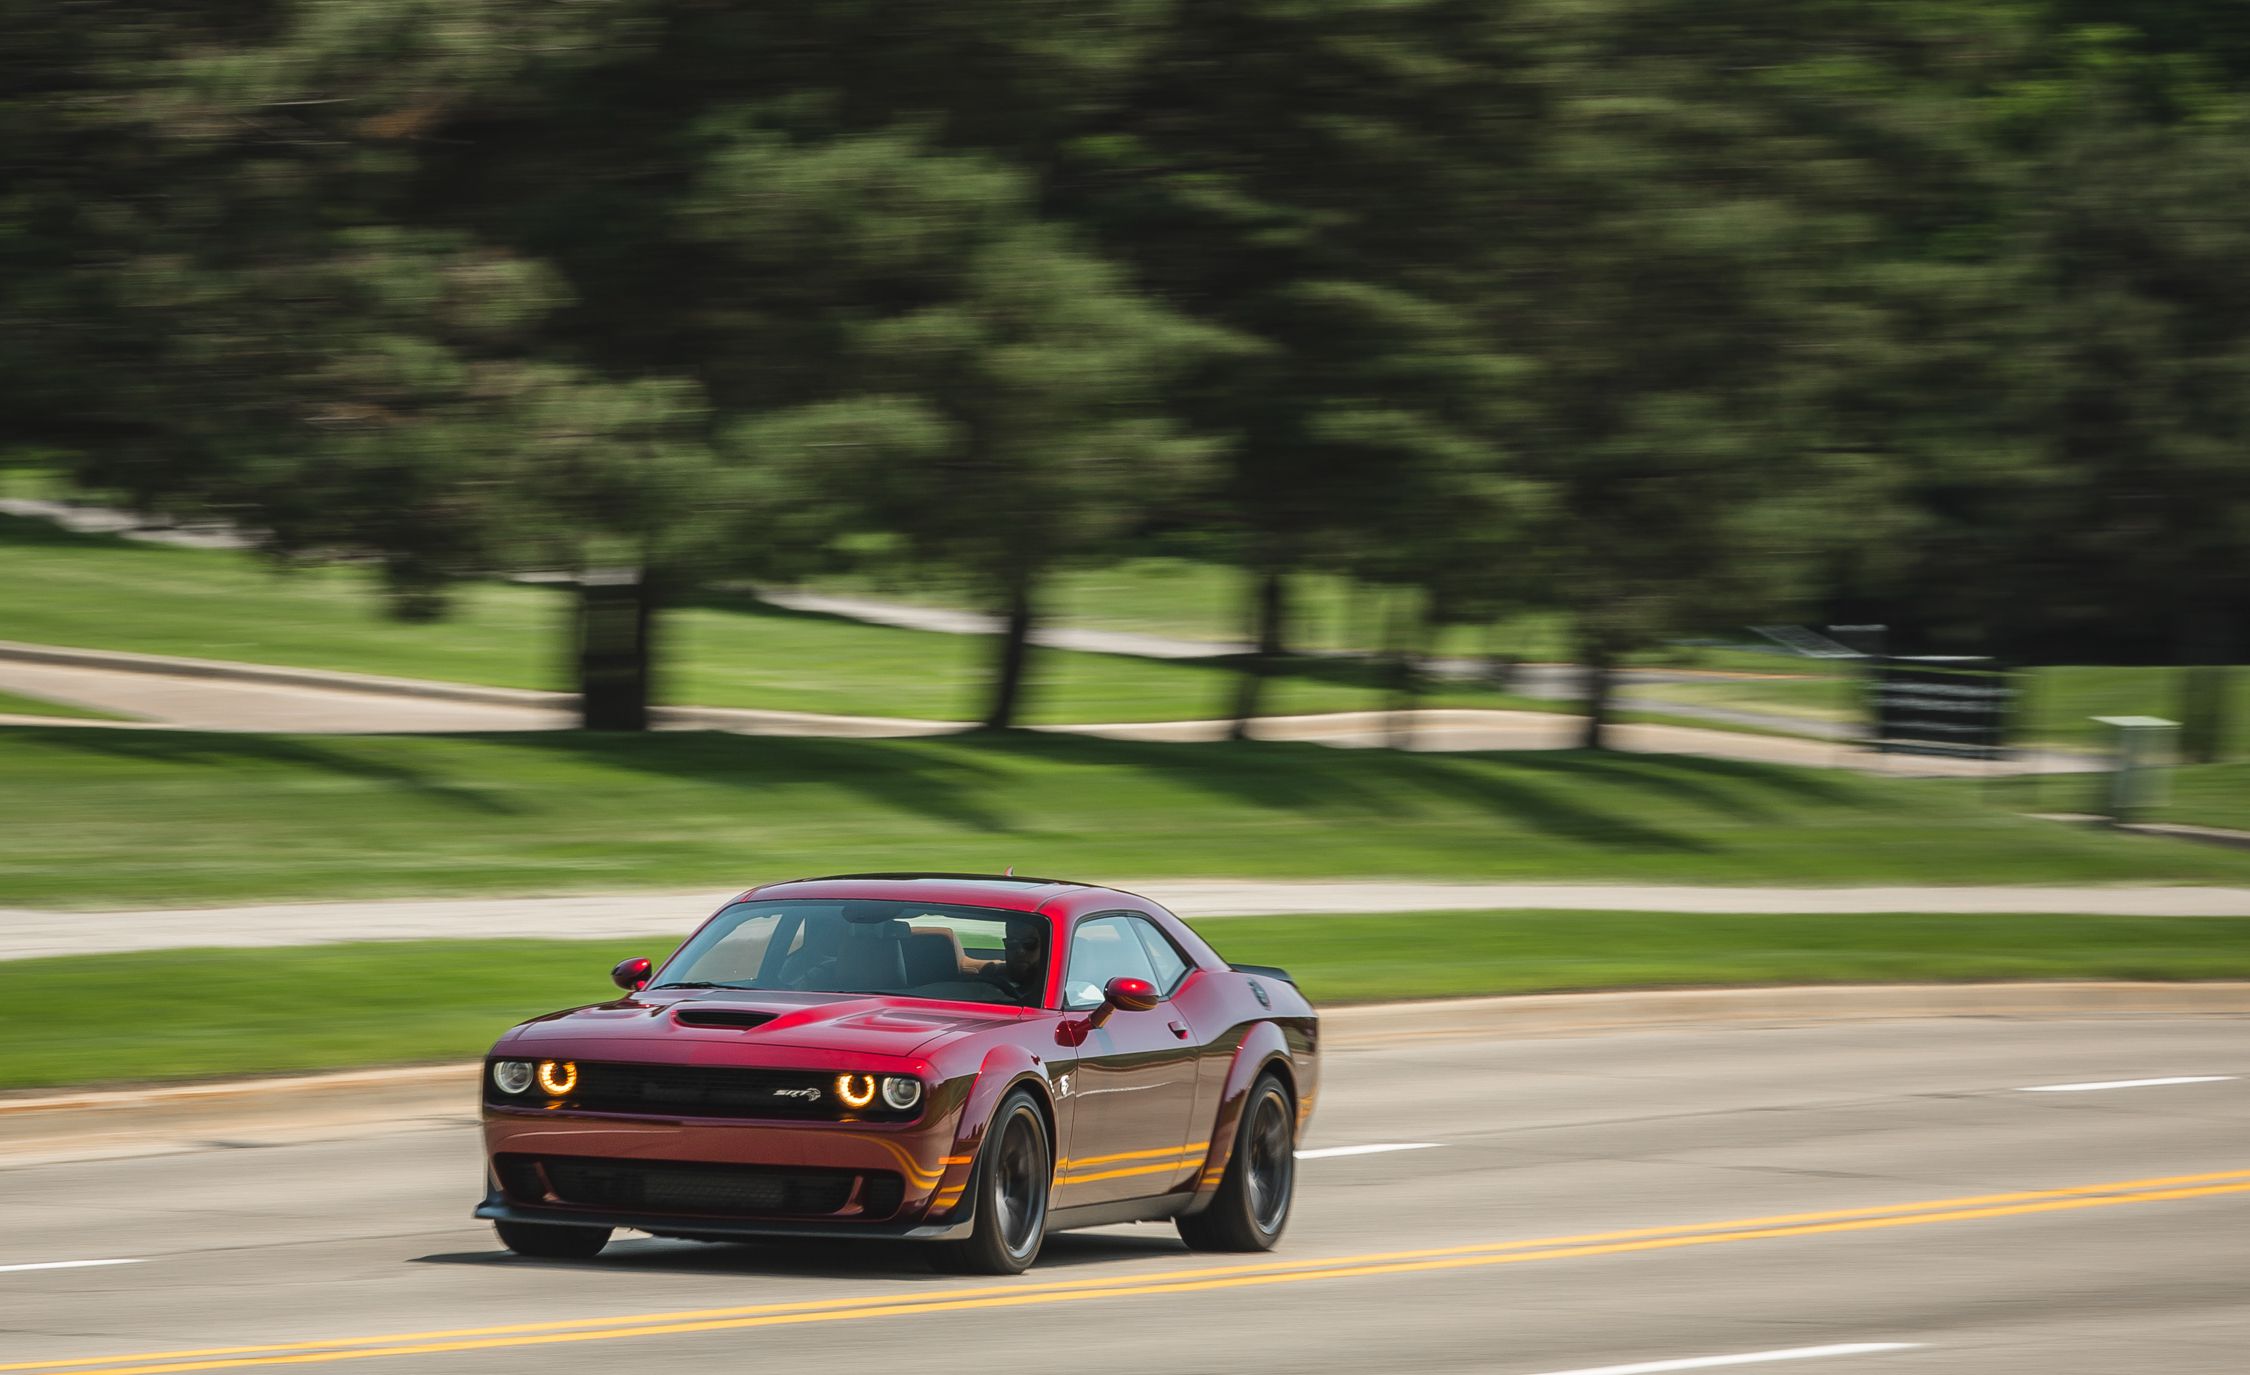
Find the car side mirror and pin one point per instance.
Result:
(1129, 994)
(1123, 993)
(631, 975)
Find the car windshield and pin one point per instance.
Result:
(915, 949)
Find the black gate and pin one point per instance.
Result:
(1955, 707)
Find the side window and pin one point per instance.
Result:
(1104, 948)
(1163, 956)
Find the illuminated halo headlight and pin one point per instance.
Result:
(512, 1076)
(901, 1092)
(558, 1077)
(856, 1090)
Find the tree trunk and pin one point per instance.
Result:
(616, 633)
(1404, 643)
(2204, 684)
(1600, 679)
(1015, 654)
(1499, 664)
(1270, 614)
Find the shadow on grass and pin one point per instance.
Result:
(994, 782)
(921, 775)
(1301, 777)
(228, 750)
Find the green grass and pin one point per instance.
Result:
(160, 818)
(2209, 795)
(1365, 959)
(100, 592)
(228, 1012)
(16, 704)
(2199, 795)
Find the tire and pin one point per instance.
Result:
(1015, 1173)
(1251, 1206)
(549, 1242)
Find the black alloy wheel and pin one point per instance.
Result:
(1251, 1206)
(1015, 1173)
(1272, 1166)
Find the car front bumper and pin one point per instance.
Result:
(603, 1170)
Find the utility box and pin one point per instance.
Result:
(2142, 752)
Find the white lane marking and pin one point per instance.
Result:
(1795, 1353)
(2129, 1083)
(67, 1264)
(1325, 1152)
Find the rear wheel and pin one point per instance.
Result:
(549, 1242)
(1252, 1203)
(1014, 1174)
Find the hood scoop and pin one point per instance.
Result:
(739, 1018)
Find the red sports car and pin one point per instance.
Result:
(963, 1059)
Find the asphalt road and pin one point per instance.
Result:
(1856, 1199)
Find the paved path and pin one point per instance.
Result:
(1558, 682)
(666, 917)
(201, 694)
(1595, 1203)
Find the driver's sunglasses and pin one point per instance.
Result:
(1029, 944)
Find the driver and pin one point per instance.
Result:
(1022, 974)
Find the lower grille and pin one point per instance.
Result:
(701, 1190)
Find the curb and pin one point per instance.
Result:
(110, 1123)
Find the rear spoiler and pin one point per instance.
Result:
(1266, 969)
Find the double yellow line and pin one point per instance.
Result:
(1197, 1280)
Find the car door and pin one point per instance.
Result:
(1133, 1086)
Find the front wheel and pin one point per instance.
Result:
(1252, 1203)
(550, 1242)
(1014, 1174)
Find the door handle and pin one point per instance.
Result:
(1180, 1030)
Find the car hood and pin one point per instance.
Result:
(874, 1025)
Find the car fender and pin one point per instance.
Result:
(1263, 1045)
(1005, 1068)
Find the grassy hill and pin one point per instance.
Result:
(159, 818)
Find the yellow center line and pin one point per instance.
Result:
(1971, 1208)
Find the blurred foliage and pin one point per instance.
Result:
(1647, 315)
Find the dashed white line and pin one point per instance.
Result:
(2129, 1083)
(1325, 1152)
(1795, 1353)
(67, 1264)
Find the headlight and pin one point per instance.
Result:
(900, 1092)
(512, 1076)
(558, 1077)
(856, 1090)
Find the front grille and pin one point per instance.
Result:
(700, 1189)
(704, 1091)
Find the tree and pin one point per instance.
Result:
(1298, 176)
(1012, 420)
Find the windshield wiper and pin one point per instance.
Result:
(698, 983)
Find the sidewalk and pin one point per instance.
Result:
(210, 694)
(664, 917)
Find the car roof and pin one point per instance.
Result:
(1007, 892)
